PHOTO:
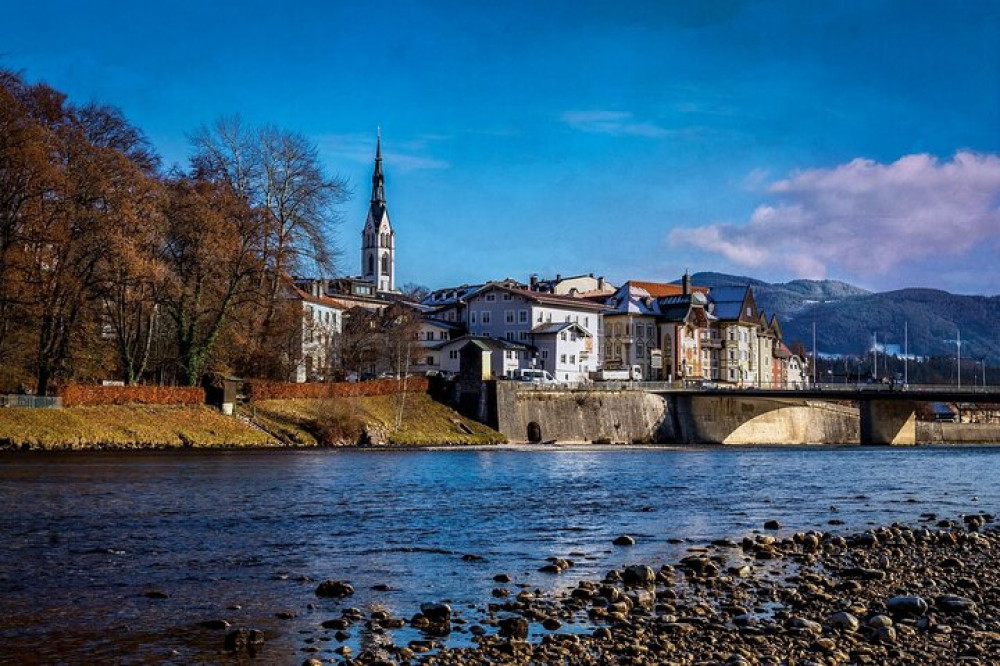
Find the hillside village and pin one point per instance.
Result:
(571, 328)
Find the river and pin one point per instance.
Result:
(241, 536)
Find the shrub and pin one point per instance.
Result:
(76, 395)
(264, 390)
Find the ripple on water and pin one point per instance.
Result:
(93, 533)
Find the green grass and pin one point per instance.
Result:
(125, 427)
(334, 421)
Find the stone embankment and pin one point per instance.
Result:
(894, 595)
(958, 433)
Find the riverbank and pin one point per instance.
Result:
(125, 427)
(368, 421)
(892, 595)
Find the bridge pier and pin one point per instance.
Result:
(888, 422)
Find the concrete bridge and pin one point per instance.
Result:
(657, 412)
(887, 412)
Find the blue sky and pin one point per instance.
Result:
(852, 140)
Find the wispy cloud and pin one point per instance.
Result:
(411, 154)
(612, 122)
(870, 220)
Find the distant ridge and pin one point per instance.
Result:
(846, 316)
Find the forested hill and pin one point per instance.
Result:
(846, 316)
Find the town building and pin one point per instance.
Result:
(320, 323)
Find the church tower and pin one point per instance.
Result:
(378, 240)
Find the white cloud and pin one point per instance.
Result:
(870, 220)
(404, 155)
(612, 122)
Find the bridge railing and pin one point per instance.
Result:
(689, 386)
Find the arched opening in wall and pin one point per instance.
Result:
(371, 264)
(534, 432)
(385, 264)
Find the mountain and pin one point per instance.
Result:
(846, 316)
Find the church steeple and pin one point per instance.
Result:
(378, 246)
(378, 180)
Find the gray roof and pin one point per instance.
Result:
(551, 328)
(484, 343)
(728, 301)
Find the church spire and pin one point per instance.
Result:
(378, 180)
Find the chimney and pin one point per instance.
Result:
(533, 281)
(686, 284)
(600, 283)
(558, 277)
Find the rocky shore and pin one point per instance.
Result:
(927, 594)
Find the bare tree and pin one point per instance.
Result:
(279, 173)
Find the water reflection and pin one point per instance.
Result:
(242, 535)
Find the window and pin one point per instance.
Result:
(453, 354)
(484, 316)
(524, 335)
(429, 335)
(586, 322)
(385, 264)
(506, 297)
(562, 358)
(539, 316)
(509, 316)
(522, 317)
(562, 336)
(567, 319)
(548, 317)
(430, 360)
(491, 297)
(545, 354)
(510, 335)
(472, 317)
(572, 358)
(371, 263)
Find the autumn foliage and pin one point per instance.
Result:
(77, 395)
(265, 390)
(111, 267)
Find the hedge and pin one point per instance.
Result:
(75, 395)
(265, 390)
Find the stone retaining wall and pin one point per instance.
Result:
(526, 415)
(958, 433)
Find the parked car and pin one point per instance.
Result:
(535, 376)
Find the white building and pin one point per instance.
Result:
(431, 334)
(321, 323)
(378, 240)
(520, 315)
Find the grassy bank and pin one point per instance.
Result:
(348, 421)
(125, 427)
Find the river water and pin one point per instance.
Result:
(241, 536)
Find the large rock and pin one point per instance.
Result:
(950, 603)
(244, 639)
(911, 606)
(844, 621)
(336, 589)
(638, 574)
(514, 627)
(436, 613)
